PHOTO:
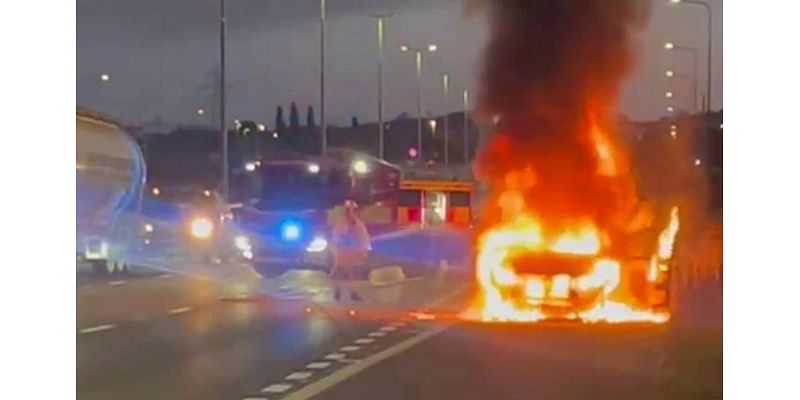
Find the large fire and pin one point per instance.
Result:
(527, 273)
(563, 233)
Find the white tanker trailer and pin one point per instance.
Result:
(110, 177)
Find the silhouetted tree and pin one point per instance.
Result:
(310, 117)
(294, 118)
(354, 122)
(280, 124)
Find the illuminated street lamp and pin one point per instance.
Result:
(432, 124)
(262, 127)
(693, 53)
(380, 21)
(708, 45)
(670, 109)
(105, 77)
(418, 51)
(274, 135)
(673, 74)
(200, 111)
(668, 95)
(697, 162)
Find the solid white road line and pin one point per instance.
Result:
(277, 388)
(364, 341)
(351, 370)
(179, 310)
(298, 376)
(97, 328)
(318, 365)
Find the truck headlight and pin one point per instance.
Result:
(242, 242)
(202, 228)
(317, 245)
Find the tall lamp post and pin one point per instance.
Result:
(446, 90)
(671, 74)
(418, 51)
(670, 46)
(222, 124)
(380, 20)
(465, 100)
(323, 126)
(708, 45)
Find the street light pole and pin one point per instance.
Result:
(708, 49)
(693, 53)
(419, 103)
(380, 19)
(222, 124)
(418, 53)
(323, 120)
(693, 79)
(446, 89)
(466, 126)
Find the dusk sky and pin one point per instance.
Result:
(162, 57)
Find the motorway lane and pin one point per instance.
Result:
(520, 361)
(451, 358)
(222, 349)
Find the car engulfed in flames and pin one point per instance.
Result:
(524, 276)
(562, 257)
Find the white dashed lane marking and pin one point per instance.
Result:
(377, 334)
(277, 388)
(350, 348)
(389, 328)
(97, 328)
(335, 356)
(179, 310)
(364, 341)
(318, 365)
(298, 376)
(116, 283)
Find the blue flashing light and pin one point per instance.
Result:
(290, 231)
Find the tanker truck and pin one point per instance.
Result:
(110, 178)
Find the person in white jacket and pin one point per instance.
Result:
(351, 248)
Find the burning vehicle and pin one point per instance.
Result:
(564, 233)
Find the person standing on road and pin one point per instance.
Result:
(351, 248)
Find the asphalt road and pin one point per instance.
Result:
(157, 335)
(162, 336)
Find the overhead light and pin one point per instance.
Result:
(313, 168)
(251, 166)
